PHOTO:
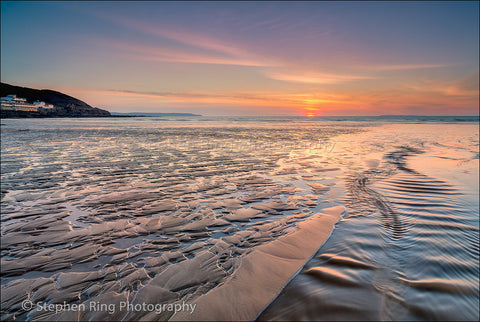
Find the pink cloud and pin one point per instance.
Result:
(137, 51)
(221, 52)
(315, 78)
(391, 67)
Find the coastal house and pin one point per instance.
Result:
(43, 105)
(14, 103)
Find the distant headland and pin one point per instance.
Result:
(27, 102)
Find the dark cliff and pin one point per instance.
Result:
(65, 105)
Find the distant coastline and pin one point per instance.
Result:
(61, 105)
(144, 114)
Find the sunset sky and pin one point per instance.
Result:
(249, 58)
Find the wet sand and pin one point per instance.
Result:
(262, 273)
(408, 247)
(226, 216)
(154, 213)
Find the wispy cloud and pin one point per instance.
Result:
(392, 67)
(182, 57)
(194, 39)
(191, 46)
(201, 48)
(138, 51)
(338, 78)
(315, 78)
(301, 69)
(295, 101)
(466, 86)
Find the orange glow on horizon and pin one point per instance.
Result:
(300, 103)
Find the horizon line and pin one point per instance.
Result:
(285, 115)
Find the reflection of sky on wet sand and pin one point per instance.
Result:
(409, 240)
(103, 212)
(133, 201)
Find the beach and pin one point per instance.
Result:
(203, 218)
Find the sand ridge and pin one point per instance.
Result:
(263, 272)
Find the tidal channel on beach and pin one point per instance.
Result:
(239, 219)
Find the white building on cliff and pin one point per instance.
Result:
(14, 103)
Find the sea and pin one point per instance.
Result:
(240, 218)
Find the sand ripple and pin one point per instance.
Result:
(152, 214)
